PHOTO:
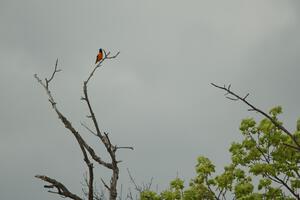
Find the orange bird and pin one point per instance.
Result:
(99, 56)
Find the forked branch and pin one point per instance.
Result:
(47, 81)
(235, 97)
(61, 189)
(106, 57)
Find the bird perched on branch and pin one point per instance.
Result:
(99, 56)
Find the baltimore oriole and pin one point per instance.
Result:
(99, 56)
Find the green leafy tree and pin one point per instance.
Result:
(264, 165)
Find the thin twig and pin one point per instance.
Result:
(87, 128)
(124, 148)
(137, 188)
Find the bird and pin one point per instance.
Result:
(99, 56)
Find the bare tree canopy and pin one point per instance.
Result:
(87, 151)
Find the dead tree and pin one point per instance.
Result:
(89, 155)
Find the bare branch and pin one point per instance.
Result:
(69, 126)
(147, 186)
(233, 99)
(246, 96)
(106, 57)
(137, 188)
(61, 189)
(90, 130)
(105, 140)
(253, 108)
(129, 195)
(54, 72)
(98, 195)
(229, 86)
(111, 149)
(105, 185)
(124, 148)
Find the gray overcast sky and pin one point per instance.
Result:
(156, 96)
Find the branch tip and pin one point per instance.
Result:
(236, 97)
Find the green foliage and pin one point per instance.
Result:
(275, 111)
(263, 166)
(149, 195)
